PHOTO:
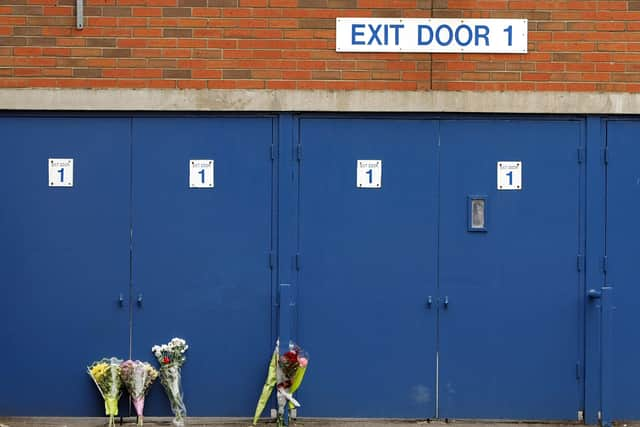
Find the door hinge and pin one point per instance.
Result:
(578, 375)
(273, 152)
(580, 262)
(605, 264)
(272, 260)
(299, 151)
(580, 155)
(298, 262)
(606, 155)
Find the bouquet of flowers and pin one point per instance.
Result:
(285, 373)
(291, 369)
(106, 374)
(171, 358)
(137, 377)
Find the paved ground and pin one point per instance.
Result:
(245, 422)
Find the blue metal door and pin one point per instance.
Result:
(623, 253)
(65, 261)
(368, 267)
(511, 302)
(201, 256)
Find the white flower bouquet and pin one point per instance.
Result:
(171, 358)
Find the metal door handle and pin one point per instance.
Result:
(121, 300)
(429, 301)
(594, 294)
(139, 300)
(445, 302)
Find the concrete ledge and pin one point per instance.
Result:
(320, 101)
(246, 422)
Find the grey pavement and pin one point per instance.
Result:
(301, 422)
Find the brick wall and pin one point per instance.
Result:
(574, 45)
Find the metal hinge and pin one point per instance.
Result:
(580, 155)
(605, 264)
(580, 416)
(299, 151)
(580, 262)
(298, 262)
(274, 152)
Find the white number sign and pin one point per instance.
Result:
(369, 173)
(60, 172)
(201, 173)
(509, 175)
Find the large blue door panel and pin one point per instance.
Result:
(623, 254)
(65, 261)
(510, 344)
(201, 256)
(368, 267)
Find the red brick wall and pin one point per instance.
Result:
(575, 45)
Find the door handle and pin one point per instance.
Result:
(594, 294)
(445, 302)
(121, 300)
(429, 301)
(139, 300)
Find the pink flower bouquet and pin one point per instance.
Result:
(137, 377)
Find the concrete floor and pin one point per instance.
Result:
(245, 422)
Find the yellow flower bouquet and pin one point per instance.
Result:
(106, 375)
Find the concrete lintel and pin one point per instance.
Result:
(318, 100)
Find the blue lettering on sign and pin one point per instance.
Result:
(444, 35)
(374, 34)
(509, 30)
(397, 32)
(381, 34)
(482, 32)
(355, 33)
(439, 32)
(421, 29)
(469, 35)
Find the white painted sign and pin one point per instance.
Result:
(509, 175)
(60, 172)
(431, 35)
(201, 173)
(369, 173)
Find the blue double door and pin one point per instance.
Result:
(406, 311)
(130, 256)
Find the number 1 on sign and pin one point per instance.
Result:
(510, 175)
(202, 175)
(509, 31)
(61, 172)
(370, 173)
